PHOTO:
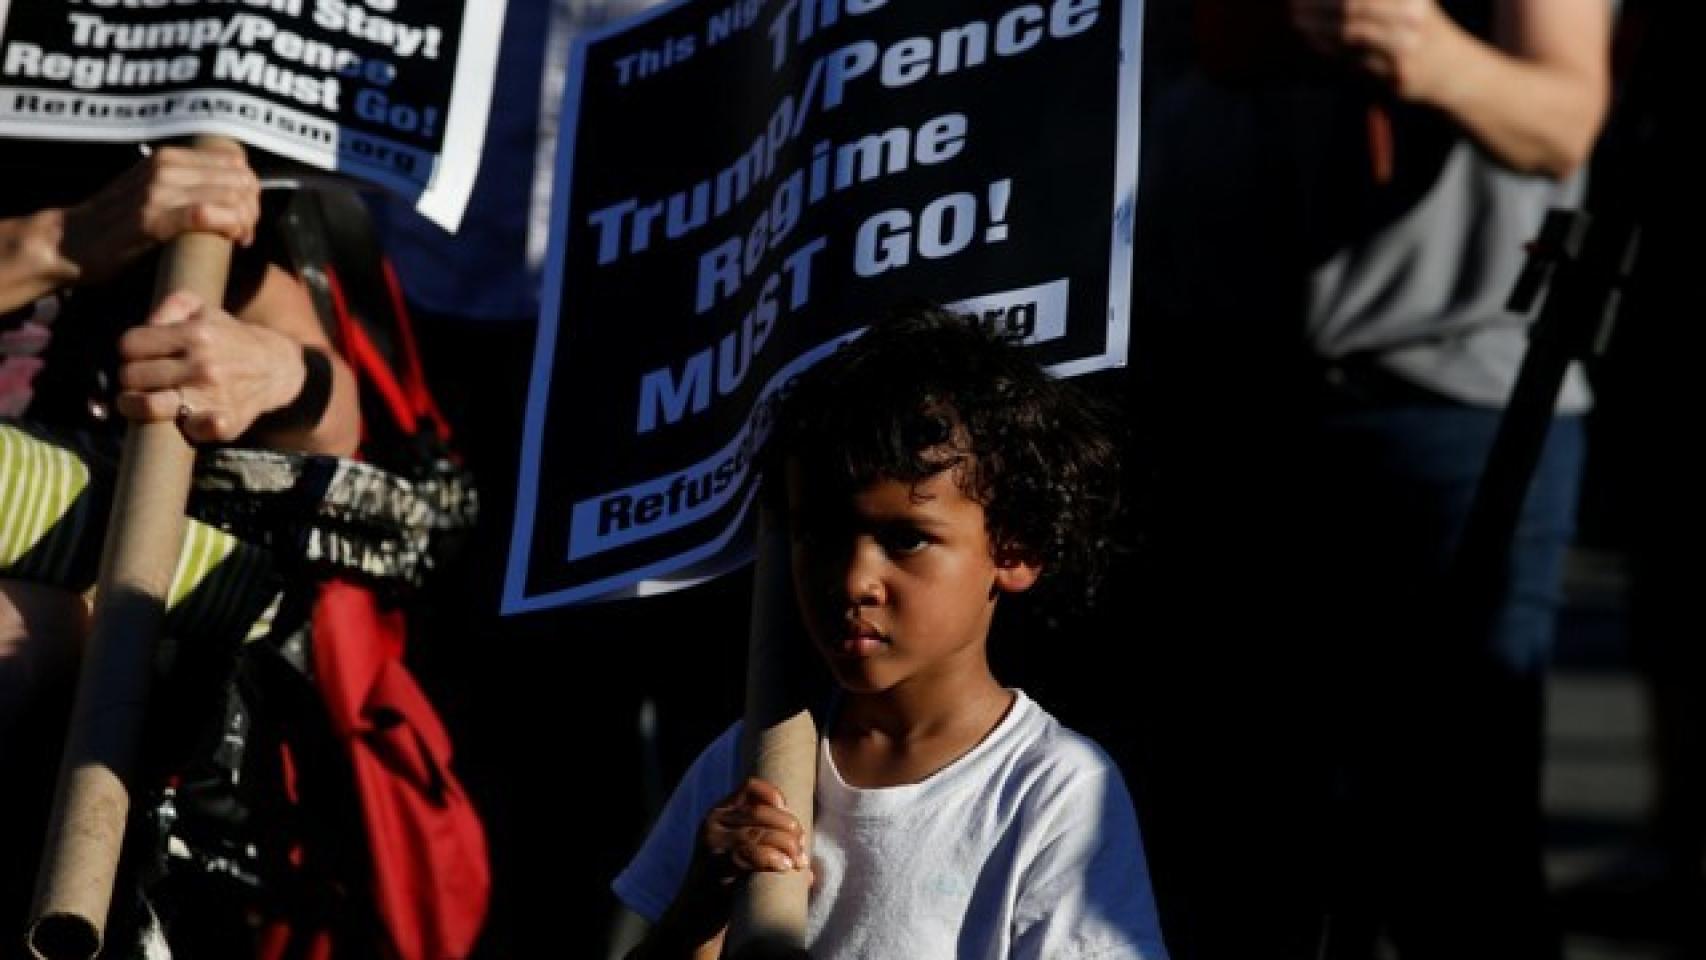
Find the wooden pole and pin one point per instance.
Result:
(780, 746)
(74, 884)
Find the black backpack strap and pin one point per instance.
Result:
(353, 250)
(335, 249)
(302, 226)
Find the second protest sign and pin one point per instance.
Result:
(740, 186)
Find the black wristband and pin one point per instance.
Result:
(304, 412)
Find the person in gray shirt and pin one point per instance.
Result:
(1336, 199)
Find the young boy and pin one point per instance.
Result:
(930, 469)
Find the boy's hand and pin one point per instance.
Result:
(752, 831)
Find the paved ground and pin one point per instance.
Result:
(1599, 779)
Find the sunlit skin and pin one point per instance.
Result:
(1534, 94)
(213, 368)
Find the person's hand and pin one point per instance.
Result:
(751, 831)
(1405, 44)
(214, 374)
(175, 190)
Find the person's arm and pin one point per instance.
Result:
(30, 264)
(172, 191)
(223, 376)
(281, 304)
(1534, 98)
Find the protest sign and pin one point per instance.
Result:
(393, 92)
(742, 185)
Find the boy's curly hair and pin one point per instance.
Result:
(925, 390)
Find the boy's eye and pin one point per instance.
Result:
(902, 541)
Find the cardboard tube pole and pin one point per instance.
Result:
(74, 884)
(769, 915)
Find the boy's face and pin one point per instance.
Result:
(898, 581)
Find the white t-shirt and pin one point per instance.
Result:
(1026, 848)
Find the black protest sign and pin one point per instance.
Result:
(393, 92)
(740, 185)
